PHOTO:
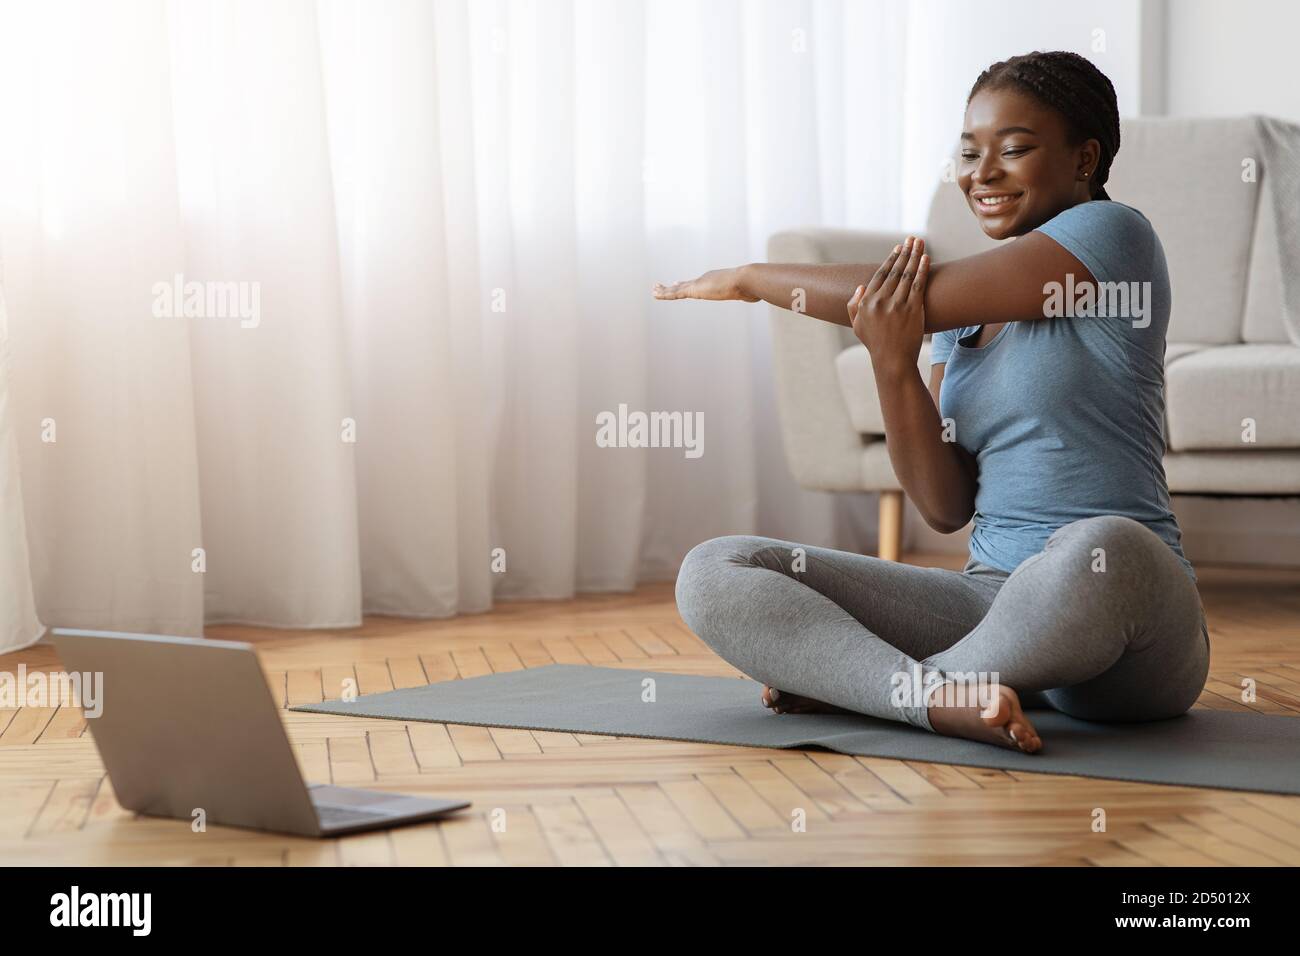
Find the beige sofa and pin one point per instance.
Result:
(1229, 358)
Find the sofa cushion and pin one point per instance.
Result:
(1176, 350)
(1269, 472)
(1173, 352)
(878, 467)
(1211, 392)
(858, 386)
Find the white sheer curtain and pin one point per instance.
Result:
(450, 214)
(18, 622)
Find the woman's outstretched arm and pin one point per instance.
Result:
(1005, 284)
(816, 290)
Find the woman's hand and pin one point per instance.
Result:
(888, 313)
(720, 284)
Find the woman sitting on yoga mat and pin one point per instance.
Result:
(1048, 429)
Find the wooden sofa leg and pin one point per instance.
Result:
(891, 525)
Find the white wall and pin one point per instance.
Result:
(1226, 59)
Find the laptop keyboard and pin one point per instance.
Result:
(341, 816)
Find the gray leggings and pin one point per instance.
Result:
(1121, 641)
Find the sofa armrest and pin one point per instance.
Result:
(822, 447)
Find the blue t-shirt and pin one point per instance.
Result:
(1065, 415)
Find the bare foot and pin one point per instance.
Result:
(784, 702)
(1007, 727)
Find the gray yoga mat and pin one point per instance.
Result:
(1204, 748)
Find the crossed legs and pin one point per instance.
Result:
(1104, 622)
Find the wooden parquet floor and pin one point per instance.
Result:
(574, 799)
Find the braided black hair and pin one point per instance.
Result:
(1071, 85)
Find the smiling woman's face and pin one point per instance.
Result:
(1018, 168)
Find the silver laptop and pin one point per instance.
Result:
(189, 724)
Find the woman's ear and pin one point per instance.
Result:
(1089, 156)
